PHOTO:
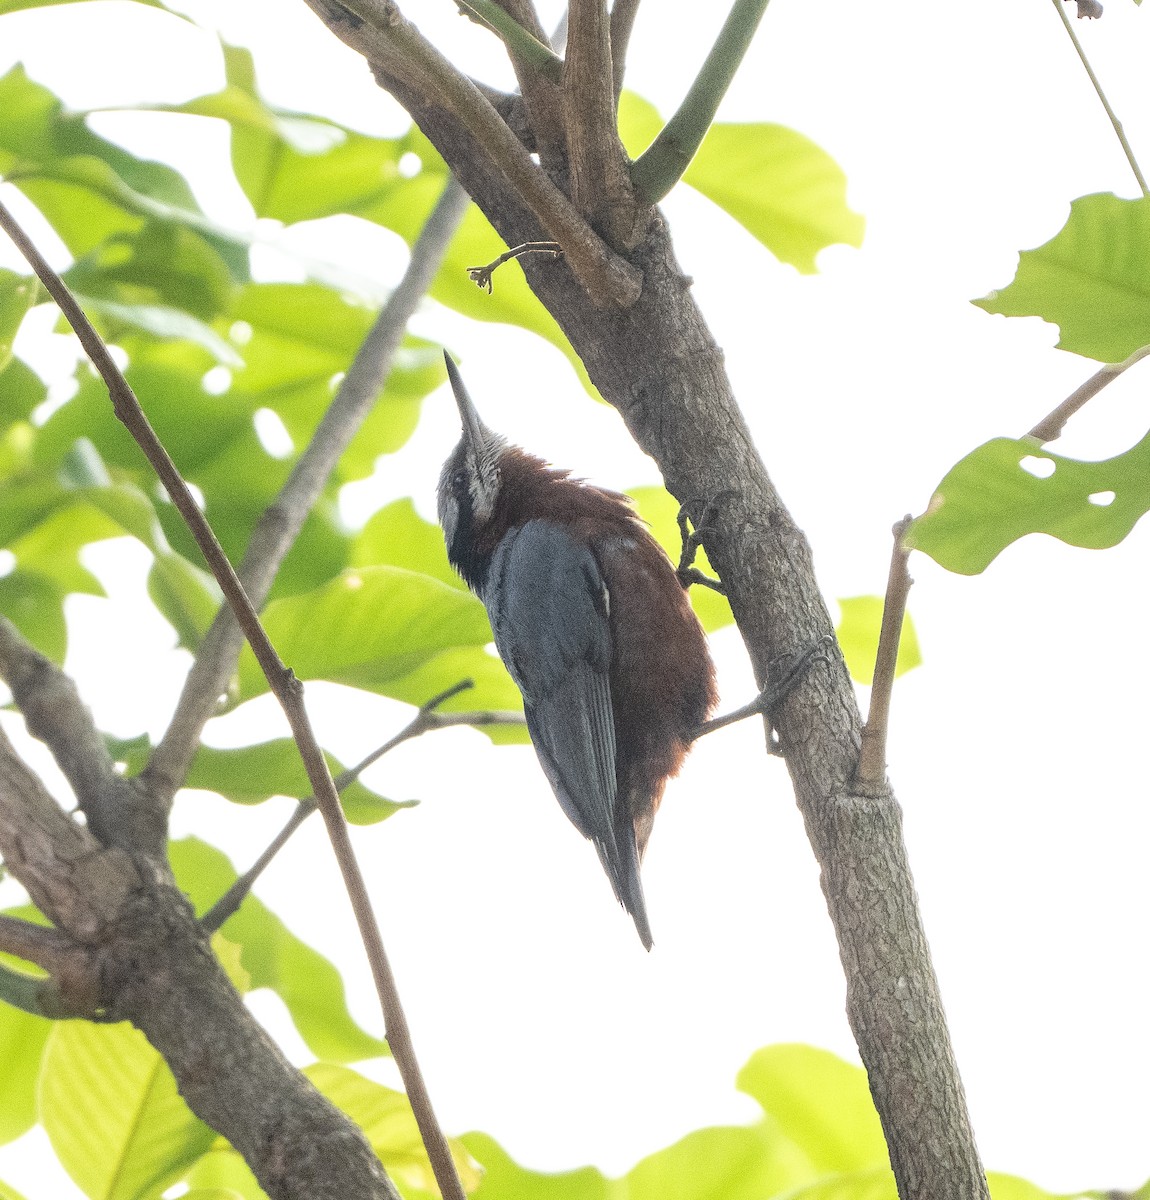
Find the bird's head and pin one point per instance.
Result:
(469, 484)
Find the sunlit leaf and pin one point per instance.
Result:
(734, 1163)
(110, 1107)
(505, 1179)
(33, 604)
(386, 1118)
(22, 1039)
(275, 958)
(367, 628)
(1008, 488)
(858, 631)
(186, 595)
(399, 536)
(1090, 279)
(223, 1175)
(7, 1192)
(780, 186)
(821, 1103)
(252, 774)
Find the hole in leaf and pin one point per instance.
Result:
(409, 165)
(7, 563)
(1040, 468)
(273, 433)
(1102, 499)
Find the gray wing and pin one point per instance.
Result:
(548, 606)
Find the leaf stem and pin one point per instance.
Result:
(662, 164)
(1051, 425)
(1118, 130)
(519, 41)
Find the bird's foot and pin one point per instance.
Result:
(692, 539)
(765, 703)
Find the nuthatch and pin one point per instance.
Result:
(595, 628)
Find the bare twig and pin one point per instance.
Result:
(623, 13)
(1119, 132)
(870, 776)
(662, 164)
(287, 690)
(481, 276)
(1051, 425)
(394, 45)
(276, 531)
(425, 720)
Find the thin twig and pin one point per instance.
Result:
(424, 721)
(1051, 425)
(277, 529)
(656, 171)
(481, 276)
(623, 13)
(287, 690)
(1118, 130)
(520, 43)
(870, 775)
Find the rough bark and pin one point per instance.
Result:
(657, 363)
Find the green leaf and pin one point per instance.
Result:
(252, 774)
(17, 295)
(51, 549)
(1090, 279)
(367, 628)
(821, 1103)
(88, 188)
(275, 958)
(990, 498)
(186, 595)
(398, 536)
(660, 510)
(22, 1039)
(858, 632)
(7, 1192)
(223, 1175)
(733, 1163)
(34, 605)
(1010, 1187)
(386, 1118)
(780, 186)
(505, 1179)
(159, 321)
(110, 1107)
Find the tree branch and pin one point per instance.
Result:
(287, 690)
(656, 171)
(870, 778)
(600, 184)
(378, 30)
(623, 14)
(277, 529)
(659, 365)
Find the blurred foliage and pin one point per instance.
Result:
(860, 622)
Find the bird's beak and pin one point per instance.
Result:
(475, 433)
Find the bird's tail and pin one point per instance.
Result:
(621, 862)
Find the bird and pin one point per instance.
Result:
(595, 628)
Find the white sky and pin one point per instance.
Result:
(1017, 750)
